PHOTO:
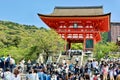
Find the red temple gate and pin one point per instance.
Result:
(76, 26)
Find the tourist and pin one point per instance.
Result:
(7, 61)
(22, 62)
(32, 75)
(12, 64)
(105, 72)
(16, 75)
(1, 74)
(118, 77)
(41, 74)
(2, 62)
(7, 74)
(77, 59)
(64, 61)
(29, 65)
(111, 73)
(48, 76)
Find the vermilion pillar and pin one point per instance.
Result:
(69, 45)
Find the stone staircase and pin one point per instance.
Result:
(73, 59)
(62, 57)
(68, 60)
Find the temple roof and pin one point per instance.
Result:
(115, 23)
(77, 11)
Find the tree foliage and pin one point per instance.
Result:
(27, 41)
(77, 46)
(101, 50)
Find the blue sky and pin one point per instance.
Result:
(25, 11)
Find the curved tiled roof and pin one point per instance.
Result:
(77, 11)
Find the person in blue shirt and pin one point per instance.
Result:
(48, 76)
(41, 74)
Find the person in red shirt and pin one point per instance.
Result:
(95, 77)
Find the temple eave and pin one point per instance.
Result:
(43, 15)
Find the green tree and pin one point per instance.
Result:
(102, 50)
(28, 41)
(77, 46)
(47, 41)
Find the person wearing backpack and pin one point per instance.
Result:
(7, 61)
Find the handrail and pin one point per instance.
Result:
(59, 57)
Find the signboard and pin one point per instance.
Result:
(75, 25)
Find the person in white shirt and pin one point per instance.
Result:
(32, 75)
(7, 61)
(111, 73)
(94, 63)
(64, 61)
(16, 75)
(22, 62)
(12, 64)
(8, 75)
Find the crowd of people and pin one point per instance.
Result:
(91, 70)
(8, 70)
